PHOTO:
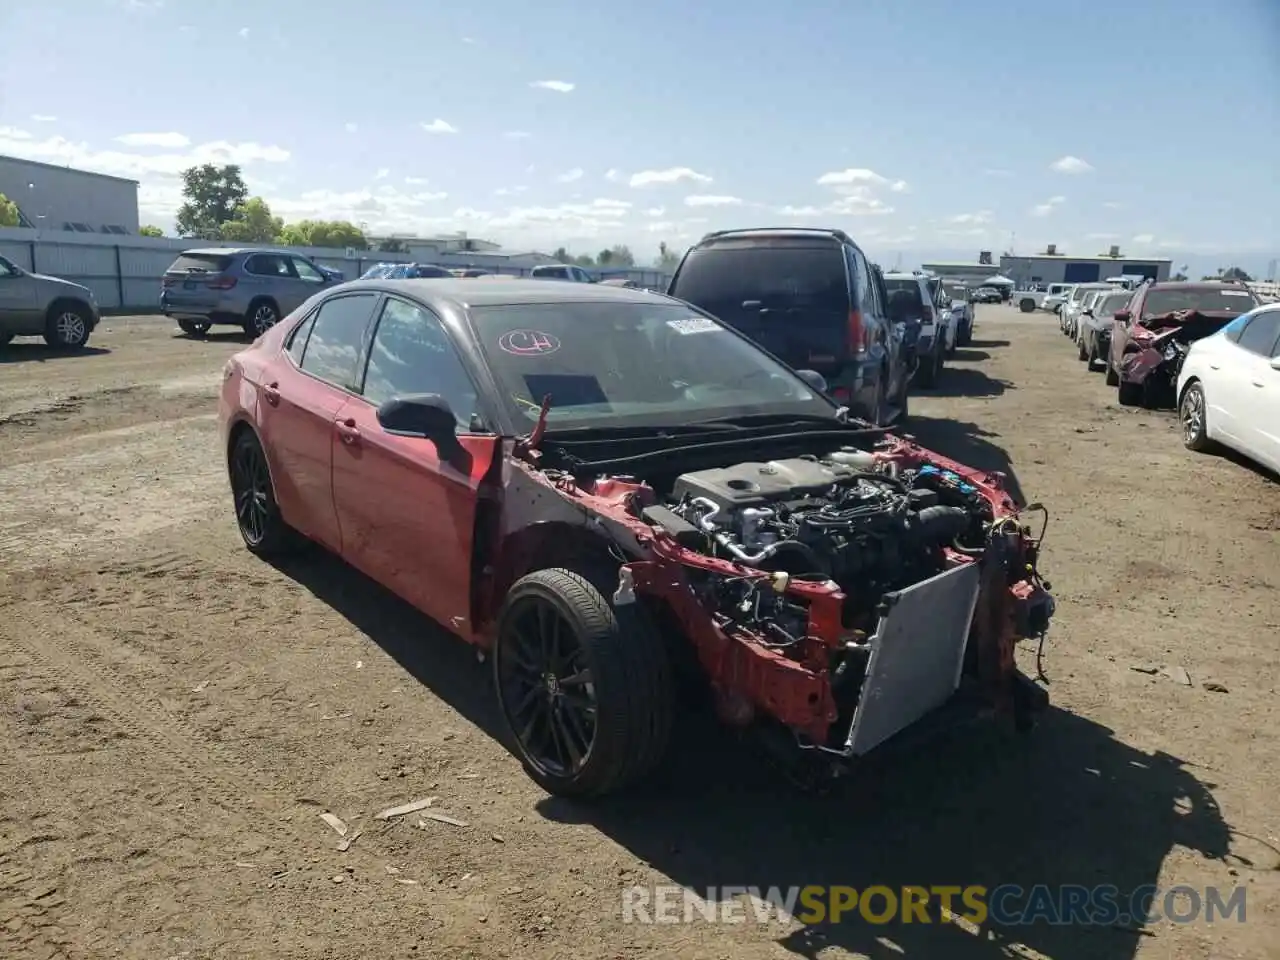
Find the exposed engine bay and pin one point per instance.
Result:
(834, 563)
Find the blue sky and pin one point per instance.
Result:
(925, 128)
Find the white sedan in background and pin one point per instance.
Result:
(1229, 388)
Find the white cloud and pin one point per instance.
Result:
(1102, 236)
(468, 40)
(164, 141)
(1046, 208)
(559, 86)
(351, 127)
(613, 175)
(982, 216)
(244, 31)
(655, 211)
(415, 181)
(1112, 204)
(1145, 239)
(44, 118)
(856, 188)
(711, 200)
(647, 178)
(509, 191)
(517, 135)
(383, 173)
(438, 126)
(138, 166)
(805, 211)
(997, 172)
(570, 176)
(1070, 165)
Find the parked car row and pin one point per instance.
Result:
(35, 305)
(1210, 349)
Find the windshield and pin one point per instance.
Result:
(1110, 304)
(632, 364)
(1236, 299)
(720, 278)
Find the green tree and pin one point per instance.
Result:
(584, 260)
(253, 223)
(324, 233)
(604, 258)
(149, 231)
(562, 255)
(1235, 273)
(8, 212)
(392, 245)
(621, 256)
(212, 196)
(668, 259)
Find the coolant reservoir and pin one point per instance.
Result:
(861, 460)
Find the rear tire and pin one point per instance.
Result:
(258, 517)
(1130, 394)
(1027, 306)
(194, 328)
(1113, 378)
(1092, 360)
(1082, 352)
(927, 375)
(585, 690)
(67, 327)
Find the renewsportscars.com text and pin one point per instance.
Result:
(1005, 905)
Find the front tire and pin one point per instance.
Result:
(258, 517)
(585, 689)
(929, 371)
(194, 328)
(1193, 412)
(67, 327)
(1130, 394)
(1082, 351)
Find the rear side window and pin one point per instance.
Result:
(268, 265)
(199, 263)
(1110, 304)
(727, 275)
(552, 273)
(904, 286)
(337, 335)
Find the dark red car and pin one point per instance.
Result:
(1150, 338)
(609, 490)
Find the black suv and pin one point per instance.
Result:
(812, 299)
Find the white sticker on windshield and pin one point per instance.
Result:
(693, 325)
(1235, 293)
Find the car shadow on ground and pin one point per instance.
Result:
(216, 336)
(968, 355)
(966, 443)
(36, 352)
(437, 659)
(965, 382)
(980, 343)
(1067, 804)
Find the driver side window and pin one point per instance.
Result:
(6, 269)
(411, 353)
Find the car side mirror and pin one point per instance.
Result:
(426, 416)
(814, 379)
(1121, 316)
(1275, 363)
(1088, 313)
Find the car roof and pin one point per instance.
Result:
(814, 233)
(1195, 285)
(236, 251)
(463, 292)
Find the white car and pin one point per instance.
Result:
(1229, 388)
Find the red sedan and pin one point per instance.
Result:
(603, 488)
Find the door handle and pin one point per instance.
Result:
(1214, 366)
(271, 393)
(348, 432)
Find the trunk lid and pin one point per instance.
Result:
(193, 279)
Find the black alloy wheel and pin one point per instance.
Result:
(585, 688)
(257, 514)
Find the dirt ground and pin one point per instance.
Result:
(175, 715)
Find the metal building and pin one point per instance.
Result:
(1054, 267)
(61, 198)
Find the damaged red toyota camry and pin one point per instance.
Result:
(607, 490)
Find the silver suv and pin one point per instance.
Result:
(248, 287)
(33, 305)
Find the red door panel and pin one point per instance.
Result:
(296, 418)
(408, 518)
